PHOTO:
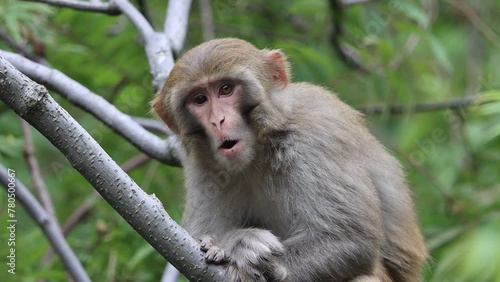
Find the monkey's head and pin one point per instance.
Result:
(216, 95)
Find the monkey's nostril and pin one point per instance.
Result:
(228, 144)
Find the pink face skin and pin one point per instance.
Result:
(216, 106)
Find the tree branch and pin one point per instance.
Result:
(207, 20)
(158, 49)
(94, 6)
(476, 21)
(38, 183)
(167, 151)
(143, 212)
(153, 125)
(84, 209)
(140, 22)
(44, 220)
(170, 274)
(176, 23)
(143, 8)
(346, 54)
(346, 3)
(420, 108)
(21, 48)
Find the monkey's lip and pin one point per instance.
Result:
(230, 147)
(228, 144)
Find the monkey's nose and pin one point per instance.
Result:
(219, 123)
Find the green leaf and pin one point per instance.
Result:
(440, 52)
(140, 255)
(10, 145)
(475, 257)
(414, 12)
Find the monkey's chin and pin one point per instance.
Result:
(236, 158)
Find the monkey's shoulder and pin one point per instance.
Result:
(319, 122)
(316, 107)
(315, 98)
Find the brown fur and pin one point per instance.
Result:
(316, 198)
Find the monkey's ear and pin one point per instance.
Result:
(160, 111)
(280, 68)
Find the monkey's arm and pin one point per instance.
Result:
(205, 215)
(337, 231)
(325, 258)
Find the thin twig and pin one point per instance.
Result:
(420, 108)
(21, 48)
(166, 151)
(38, 182)
(158, 50)
(346, 3)
(207, 20)
(346, 54)
(87, 204)
(111, 269)
(94, 6)
(476, 20)
(176, 22)
(140, 22)
(33, 103)
(48, 225)
(84, 209)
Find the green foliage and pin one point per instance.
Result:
(28, 17)
(472, 257)
(414, 51)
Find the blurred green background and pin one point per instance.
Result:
(411, 52)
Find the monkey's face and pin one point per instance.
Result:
(211, 94)
(216, 106)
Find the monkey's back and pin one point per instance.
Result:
(338, 134)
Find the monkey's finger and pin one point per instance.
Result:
(214, 255)
(206, 243)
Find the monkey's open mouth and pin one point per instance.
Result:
(228, 144)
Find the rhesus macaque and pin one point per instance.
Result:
(283, 180)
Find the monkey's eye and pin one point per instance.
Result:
(226, 89)
(200, 99)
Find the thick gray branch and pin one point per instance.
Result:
(176, 23)
(153, 125)
(44, 220)
(140, 22)
(143, 212)
(158, 49)
(167, 151)
(160, 58)
(158, 45)
(99, 7)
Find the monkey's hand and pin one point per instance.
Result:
(213, 254)
(253, 255)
